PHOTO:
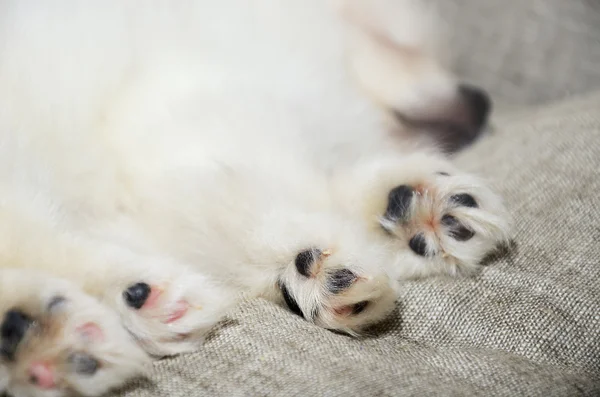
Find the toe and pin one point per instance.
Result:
(90, 332)
(12, 330)
(42, 375)
(456, 229)
(136, 295)
(304, 261)
(418, 244)
(399, 201)
(464, 199)
(290, 301)
(83, 364)
(341, 280)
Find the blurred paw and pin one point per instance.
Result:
(58, 341)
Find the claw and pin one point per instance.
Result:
(322, 256)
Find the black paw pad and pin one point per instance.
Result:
(305, 260)
(290, 301)
(359, 307)
(56, 303)
(14, 326)
(418, 244)
(399, 200)
(465, 200)
(456, 229)
(340, 280)
(83, 364)
(136, 295)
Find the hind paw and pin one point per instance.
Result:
(438, 219)
(448, 220)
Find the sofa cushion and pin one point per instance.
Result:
(528, 324)
(526, 52)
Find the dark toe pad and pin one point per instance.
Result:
(136, 295)
(12, 330)
(305, 260)
(456, 229)
(465, 200)
(83, 364)
(399, 201)
(418, 244)
(340, 280)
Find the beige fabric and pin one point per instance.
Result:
(526, 51)
(529, 324)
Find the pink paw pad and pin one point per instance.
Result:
(90, 332)
(179, 310)
(176, 311)
(153, 298)
(41, 375)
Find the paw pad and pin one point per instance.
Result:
(341, 280)
(136, 295)
(399, 201)
(83, 364)
(90, 332)
(56, 303)
(456, 229)
(290, 301)
(179, 310)
(306, 260)
(464, 199)
(14, 326)
(418, 244)
(42, 375)
(354, 309)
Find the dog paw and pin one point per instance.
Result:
(340, 284)
(437, 219)
(169, 310)
(449, 221)
(55, 340)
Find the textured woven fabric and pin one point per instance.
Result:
(526, 51)
(528, 324)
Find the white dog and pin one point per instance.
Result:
(160, 161)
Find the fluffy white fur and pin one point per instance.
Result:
(199, 147)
